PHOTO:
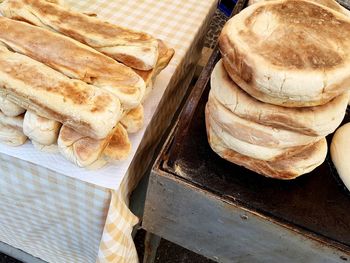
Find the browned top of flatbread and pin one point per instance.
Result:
(304, 35)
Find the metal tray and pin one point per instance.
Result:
(317, 203)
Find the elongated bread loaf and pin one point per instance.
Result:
(36, 87)
(118, 149)
(165, 55)
(87, 152)
(40, 129)
(73, 59)
(133, 120)
(11, 136)
(135, 49)
(9, 108)
(119, 146)
(13, 122)
(79, 149)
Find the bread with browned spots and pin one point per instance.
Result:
(135, 49)
(73, 59)
(33, 86)
(288, 52)
(315, 121)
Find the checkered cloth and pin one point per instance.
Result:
(62, 219)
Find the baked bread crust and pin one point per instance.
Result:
(40, 129)
(46, 92)
(73, 59)
(286, 52)
(252, 132)
(340, 153)
(135, 49)
(313, 121)
(298, 163)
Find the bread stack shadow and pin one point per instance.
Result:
(280, 88)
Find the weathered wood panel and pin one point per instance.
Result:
(222, 231)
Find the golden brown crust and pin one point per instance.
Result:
(251, 88)
(279, 169)
(70, 57)
(164, 57)
(133, 120)
(314, 121)
(103, 36)
(81, 149)
(50, 94)
(328, 3)
(119, 145)
(292, 164)
(297, 51)
(252, 132)
(284, 56)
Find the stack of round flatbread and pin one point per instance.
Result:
(281, 86)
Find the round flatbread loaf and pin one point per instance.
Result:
(288, 53)
(340, 153)
(245, 148)
(328, 3)
(314, 121)
(13, 122)
(285, 167)
(255, 133)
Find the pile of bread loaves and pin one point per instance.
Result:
(71, 82)
(281, 86)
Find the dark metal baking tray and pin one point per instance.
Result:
(316, 203)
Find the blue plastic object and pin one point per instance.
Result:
(226, 6)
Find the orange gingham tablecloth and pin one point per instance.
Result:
(75, 217)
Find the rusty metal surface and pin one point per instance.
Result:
(345, 3)
(314, 203)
